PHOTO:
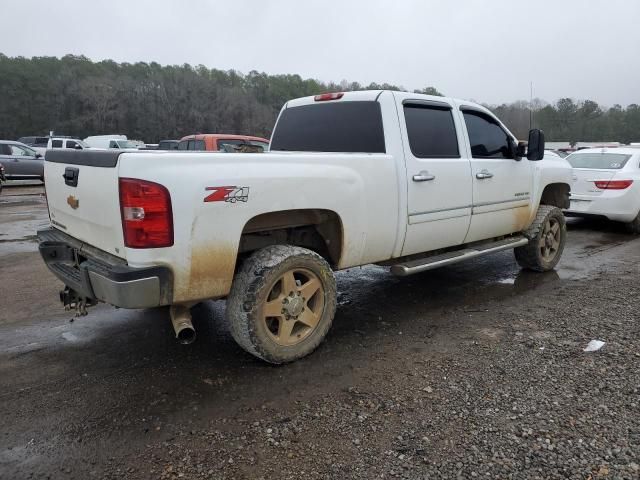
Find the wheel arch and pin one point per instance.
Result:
(319, 230)
(556, 194)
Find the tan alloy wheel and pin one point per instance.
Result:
(293, 307)
(550, 239)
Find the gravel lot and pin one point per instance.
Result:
(472, 371)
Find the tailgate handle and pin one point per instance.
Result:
(71, 176)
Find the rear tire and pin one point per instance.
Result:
(634, 225)
(282, 303)
(547, 236)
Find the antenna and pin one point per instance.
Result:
(530, 105)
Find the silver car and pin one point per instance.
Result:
(20, 161)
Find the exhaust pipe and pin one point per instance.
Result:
(181, 320)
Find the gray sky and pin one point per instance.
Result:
(488, 50)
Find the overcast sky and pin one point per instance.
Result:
(487, 50)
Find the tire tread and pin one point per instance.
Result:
(252, 277)
(528, 256)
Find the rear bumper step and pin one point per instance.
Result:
(429, 263)
(100, 276)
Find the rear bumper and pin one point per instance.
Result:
(618, 208)
(97, 275)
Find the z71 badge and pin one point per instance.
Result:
(227, 194)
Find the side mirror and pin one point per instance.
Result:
(38, 155)
(78, 147)
(521, 150)
(535, 149)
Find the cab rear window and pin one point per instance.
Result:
(599, 161)
(347, 127)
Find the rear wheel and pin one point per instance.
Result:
(634, 225)
(547, 236)
(282, 303)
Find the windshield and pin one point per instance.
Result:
(243, 146)
(30, 151)
(604, 161)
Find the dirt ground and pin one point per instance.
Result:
(472, 371)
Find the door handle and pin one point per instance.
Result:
(423, 177)
(484, 174)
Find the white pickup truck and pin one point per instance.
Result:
(404, 180)
(61, 142)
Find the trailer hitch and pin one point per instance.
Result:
(72, 300)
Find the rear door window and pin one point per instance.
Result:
(56, 143)
(604, 161)
(431, 131)
(486, 136)
(349, 127)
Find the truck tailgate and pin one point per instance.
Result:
(83, 197)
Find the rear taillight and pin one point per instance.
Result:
(328, 96)
(613, 184)
(147, 220)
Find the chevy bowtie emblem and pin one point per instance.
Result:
(73, 201)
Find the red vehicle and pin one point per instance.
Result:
(219, 142)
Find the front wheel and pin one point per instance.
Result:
(547, 236)
(282, 303)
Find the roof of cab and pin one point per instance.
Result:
(373, 95)
(223, 136)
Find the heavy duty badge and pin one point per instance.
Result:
(73, 201)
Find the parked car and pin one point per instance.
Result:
(399, 179)
(218, 142)
(168, 145)
(112, 141)
(559, 153)
(20, 161)
(40, 142)
(3, 179)
(606, 182)
(62, 142)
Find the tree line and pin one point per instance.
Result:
(73, 95)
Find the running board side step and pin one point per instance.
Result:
(429, 263)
